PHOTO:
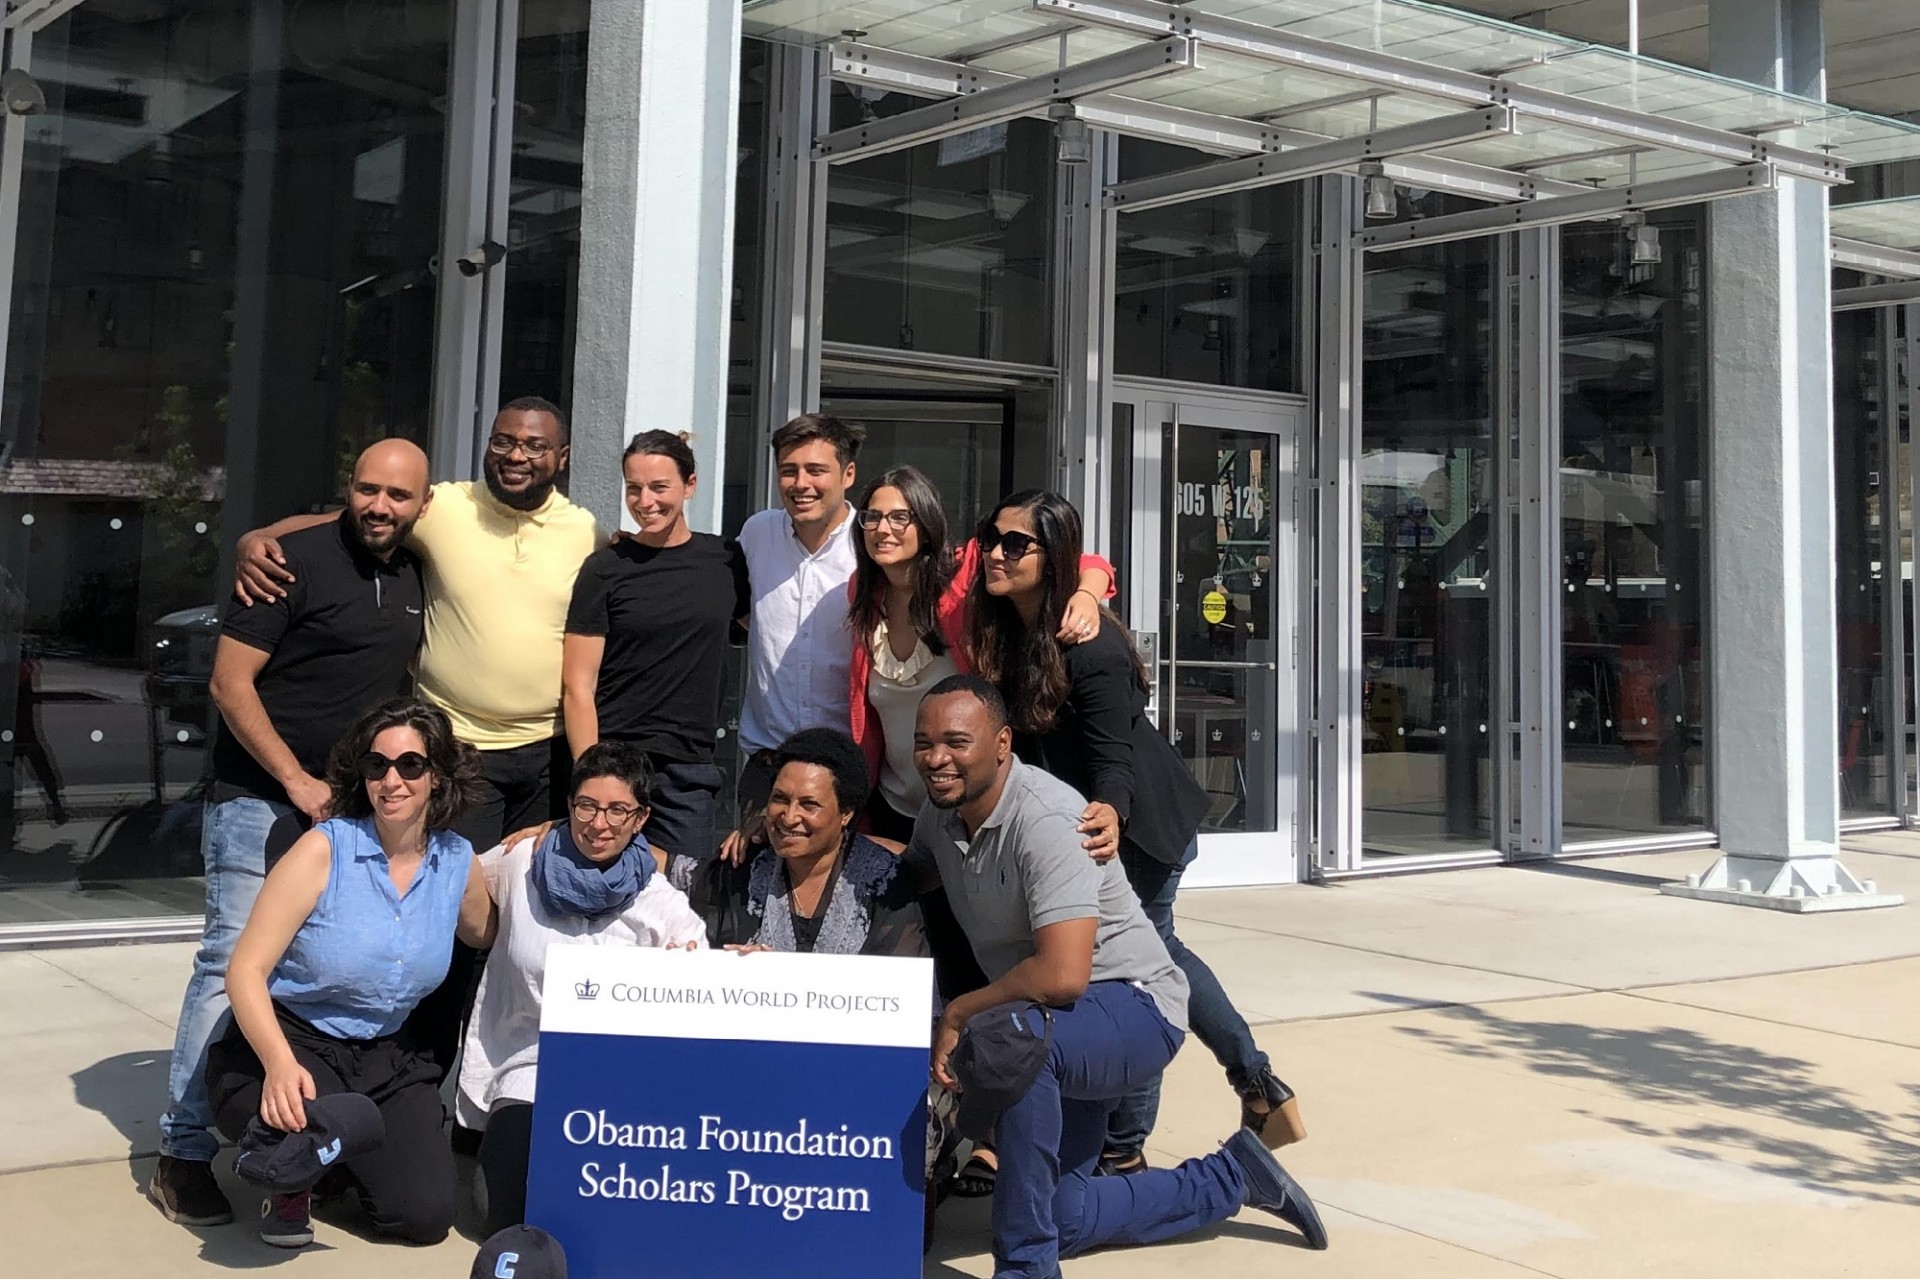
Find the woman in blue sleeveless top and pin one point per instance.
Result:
(352, 928)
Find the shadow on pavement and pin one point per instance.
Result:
(130, 1090)
(1671, 1066)
(1596, 874)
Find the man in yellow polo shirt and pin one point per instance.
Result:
(501, 554)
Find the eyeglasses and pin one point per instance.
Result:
(1013, 544)
(502, 445)
(411, 766)
(898, 521)
(616, 814)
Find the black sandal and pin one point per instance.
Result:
(977, 1176)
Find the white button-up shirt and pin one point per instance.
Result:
(799, 646)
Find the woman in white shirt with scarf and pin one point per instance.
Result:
(590, 880)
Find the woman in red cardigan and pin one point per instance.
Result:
(908, 611)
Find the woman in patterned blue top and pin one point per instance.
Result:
(352, 928)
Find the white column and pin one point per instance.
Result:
(656, 240)
(1773, 648)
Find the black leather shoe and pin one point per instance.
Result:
(186, 1193)
(1272, 1189)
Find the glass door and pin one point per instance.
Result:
(1217, 498)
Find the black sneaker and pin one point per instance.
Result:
(1270, 1188)
(186, 1193)
(286, 1221)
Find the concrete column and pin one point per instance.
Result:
(656, 241)
(1773, 650)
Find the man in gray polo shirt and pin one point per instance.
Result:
(1052, 926)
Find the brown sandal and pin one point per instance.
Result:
(1279, 1124)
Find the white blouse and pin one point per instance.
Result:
(502, 1054)
(895, 688)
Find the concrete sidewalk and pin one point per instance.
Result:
(1551, 1071)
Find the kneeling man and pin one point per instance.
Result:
(1050, 926)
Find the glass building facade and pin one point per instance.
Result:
(231, 232)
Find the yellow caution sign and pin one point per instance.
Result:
(1213, 607)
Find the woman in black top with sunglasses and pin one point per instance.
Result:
(1080, 713)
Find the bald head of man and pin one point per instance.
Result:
(388, 494)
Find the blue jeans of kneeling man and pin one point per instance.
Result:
(234, 839)
(1047, 1201)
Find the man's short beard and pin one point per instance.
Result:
(531, 500)
(401, 529)
(968, 793)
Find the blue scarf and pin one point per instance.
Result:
(571, 884)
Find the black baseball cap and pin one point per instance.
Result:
(999, 1055)
(340, 1127)
(520, 1252)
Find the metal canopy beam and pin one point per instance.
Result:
(1876, 259)
(913, 73)
(1591, 206)
(1876, 295)
(1004, 102)
(37, 15)
(1306, 162)
(1286, 48)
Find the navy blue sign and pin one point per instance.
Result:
(711, 1115)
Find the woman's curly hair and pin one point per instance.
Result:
(454, 764)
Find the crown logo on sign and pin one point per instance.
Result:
(588, 989)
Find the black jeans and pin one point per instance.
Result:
(504, 1152)
(525, 785)
(407, 1184)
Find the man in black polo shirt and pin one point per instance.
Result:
(290, 678)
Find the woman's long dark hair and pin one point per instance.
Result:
(932, 567)
(1028, 664)
(454, 763)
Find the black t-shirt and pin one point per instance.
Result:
(664, 611)
(341, 642)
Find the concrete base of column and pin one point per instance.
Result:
(1804, 884)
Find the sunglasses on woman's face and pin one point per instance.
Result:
(411, 766)
(1013, 544)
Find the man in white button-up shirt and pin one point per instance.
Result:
(799, 560)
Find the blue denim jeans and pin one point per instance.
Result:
(1212, 1017)
(1047, 1202)
(233, 844)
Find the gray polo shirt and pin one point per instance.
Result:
(1025, 869)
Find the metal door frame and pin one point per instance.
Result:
(1160, 409)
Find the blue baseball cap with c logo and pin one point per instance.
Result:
(520, 1252)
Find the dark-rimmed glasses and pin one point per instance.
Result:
(585, 810)
(898, 521)
(411, 766)
(502, 445)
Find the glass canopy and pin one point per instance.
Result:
(1017, 38)
(1892, 224)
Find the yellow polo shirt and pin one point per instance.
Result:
(498, 585)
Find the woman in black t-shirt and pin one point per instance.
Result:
(646, 647)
